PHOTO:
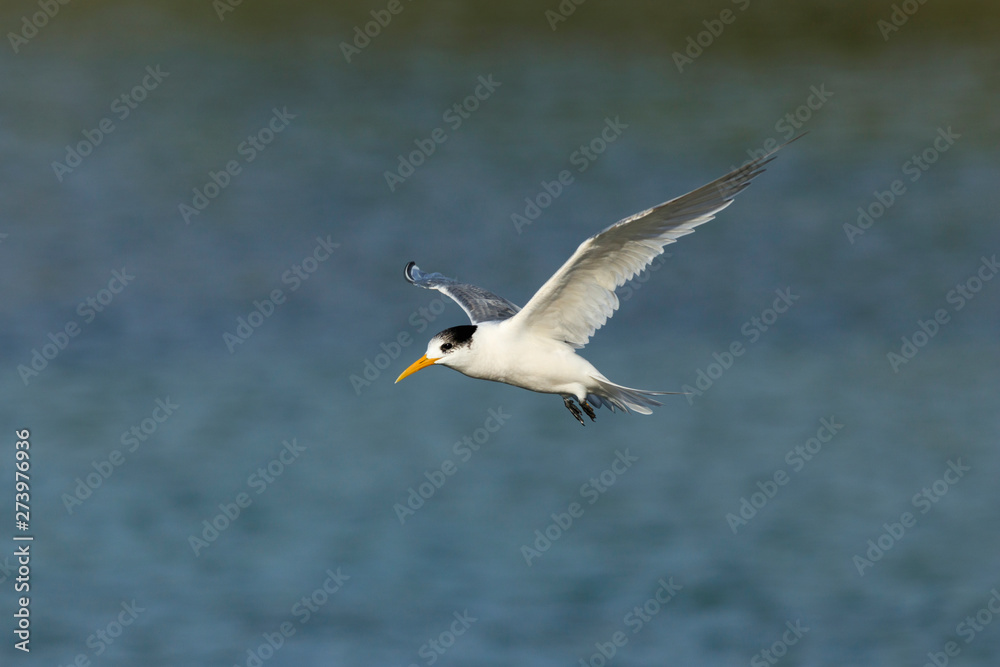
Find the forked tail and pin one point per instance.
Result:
(625, 399)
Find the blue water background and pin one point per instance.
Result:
(367, 442)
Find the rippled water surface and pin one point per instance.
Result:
(204, 227)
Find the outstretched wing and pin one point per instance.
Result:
(478, 304)
(580, 297)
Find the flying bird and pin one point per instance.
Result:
(534, 347)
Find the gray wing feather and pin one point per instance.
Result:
(580, 297)
(479, 304)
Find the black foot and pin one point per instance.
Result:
(568, 402)
(575, 411)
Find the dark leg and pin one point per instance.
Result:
(589, 410)
(568, 402)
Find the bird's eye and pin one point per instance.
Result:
(446, 347)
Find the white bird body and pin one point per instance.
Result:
(504, 352)
(535, 347)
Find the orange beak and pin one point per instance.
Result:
(422, 362)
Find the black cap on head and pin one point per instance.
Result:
(458, 336)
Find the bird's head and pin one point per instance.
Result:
(451, 348)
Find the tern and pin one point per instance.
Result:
(534, 347)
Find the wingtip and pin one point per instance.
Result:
(770, 156)
(767, 157)
(739, 179)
